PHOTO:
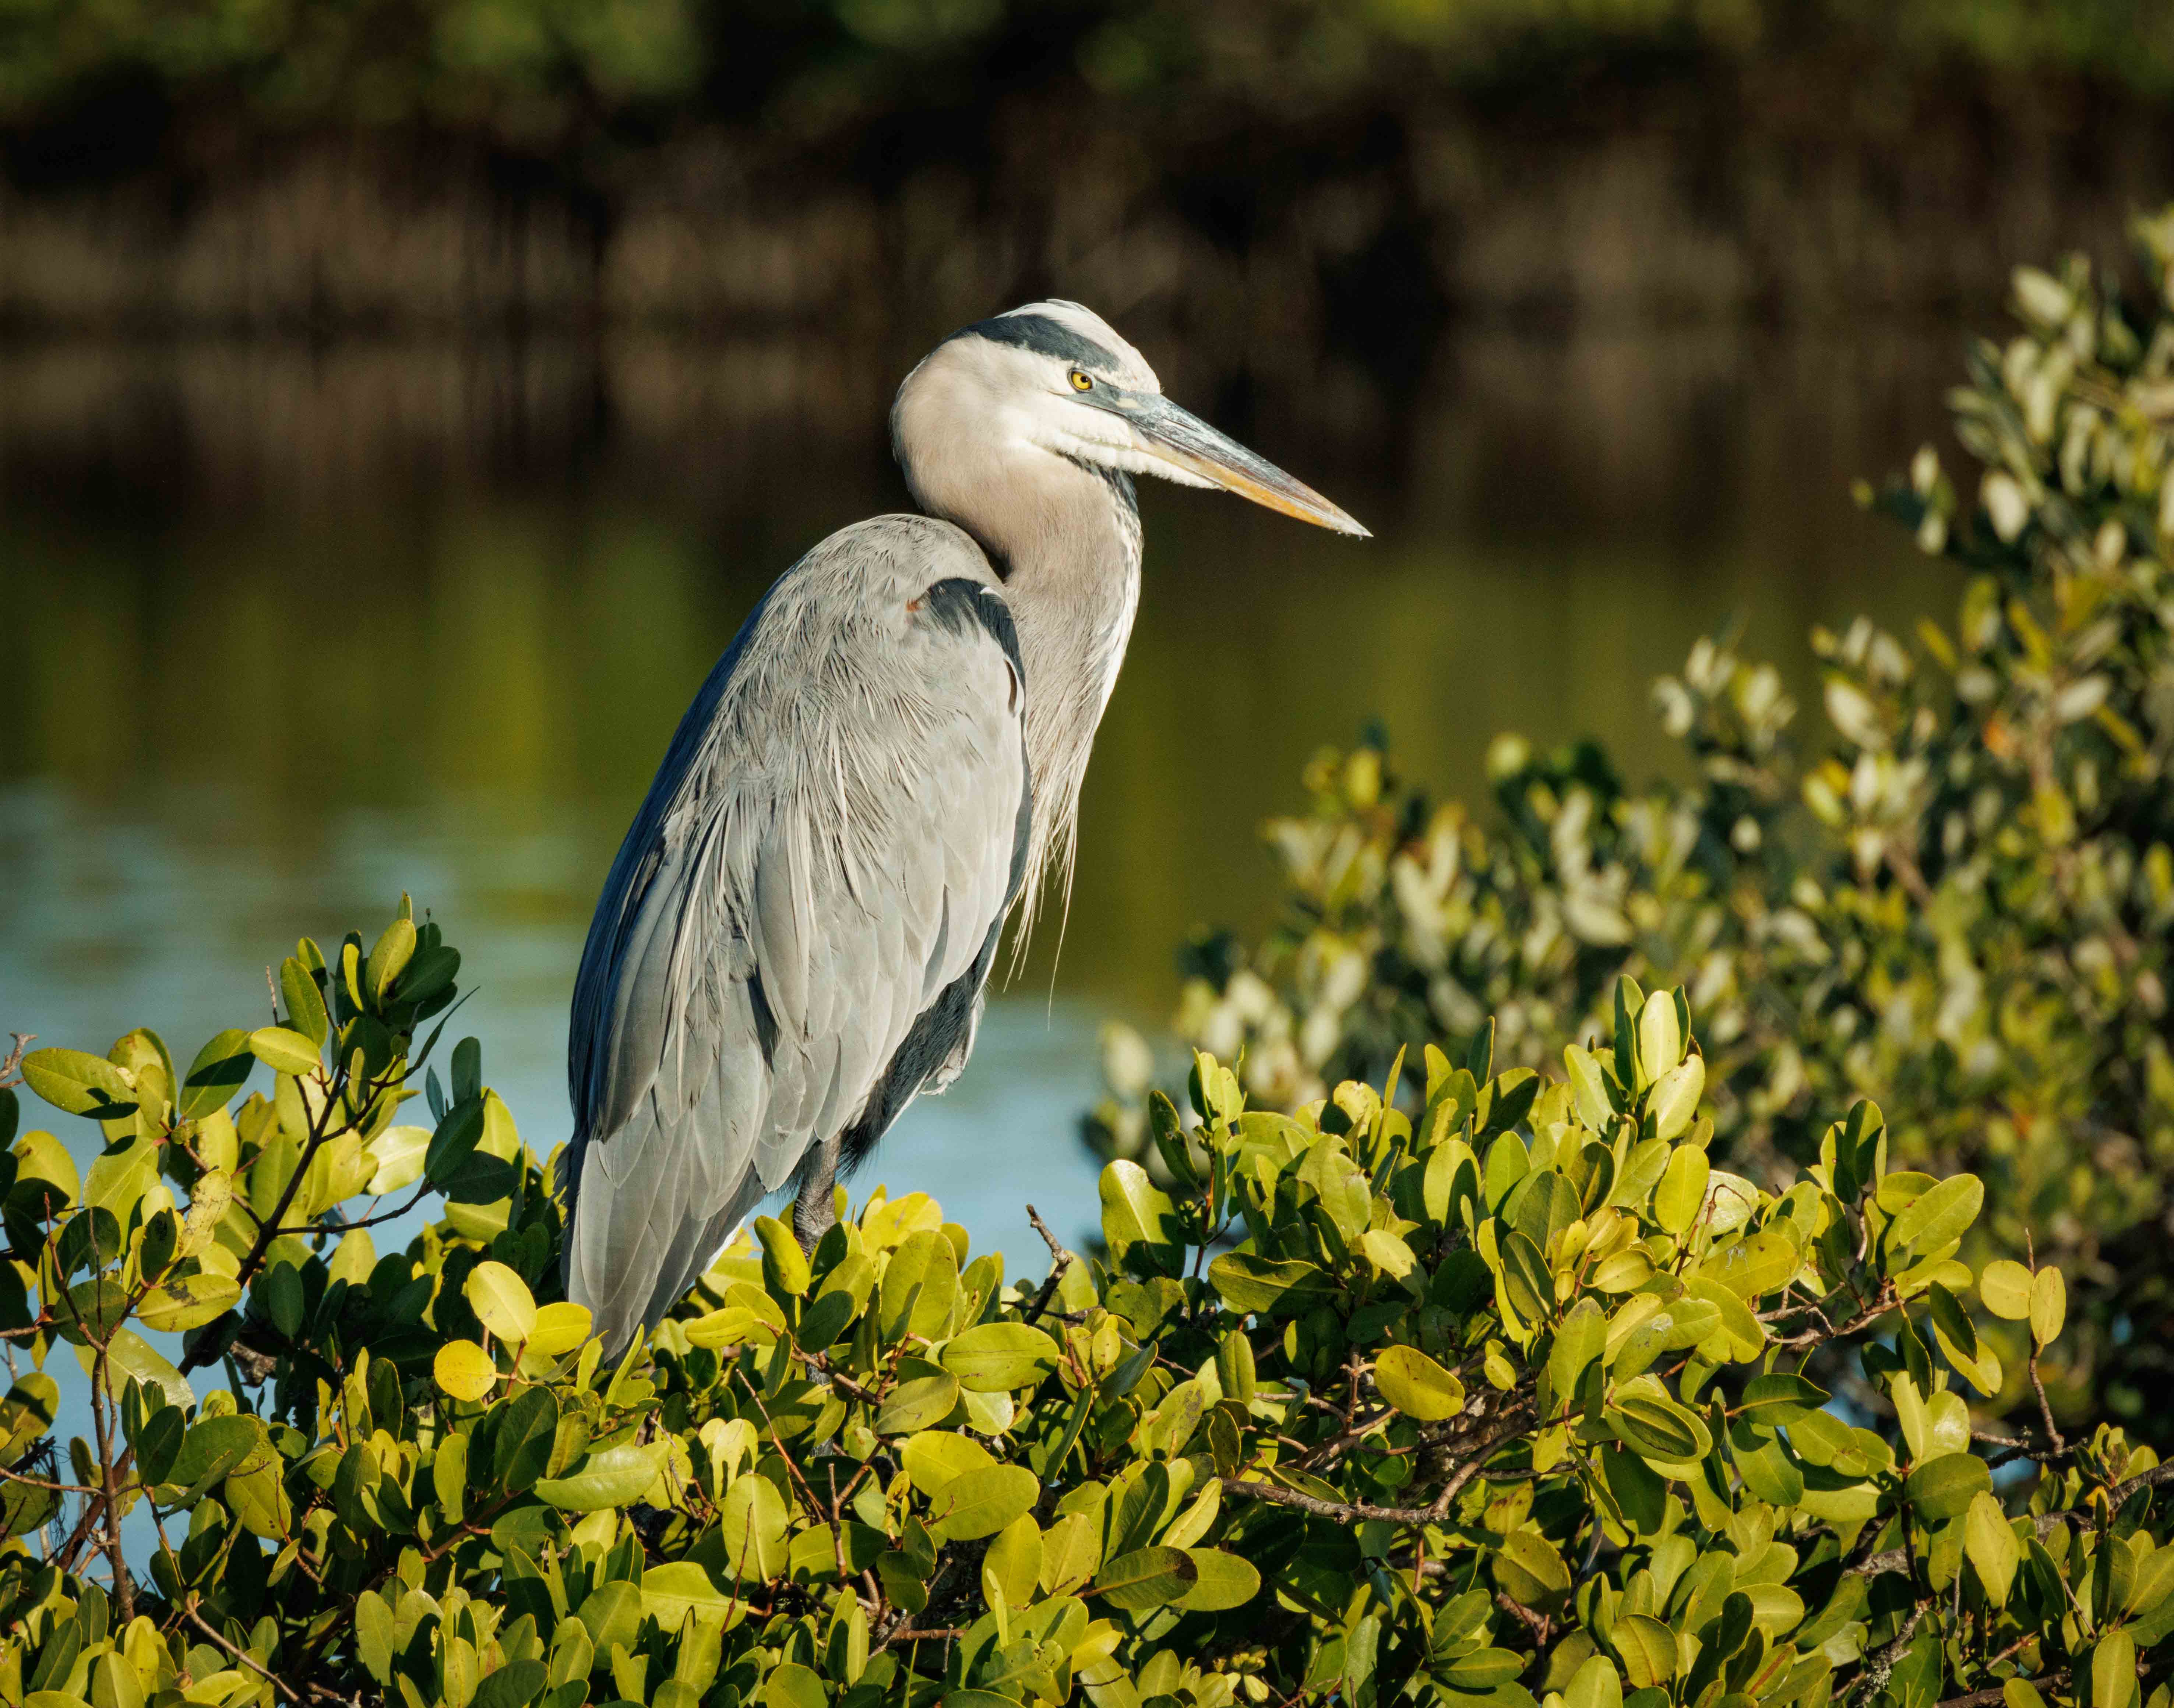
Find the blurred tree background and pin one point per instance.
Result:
(1343, 172)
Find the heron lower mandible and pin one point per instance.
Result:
(793, 940)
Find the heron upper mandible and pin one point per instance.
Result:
(793, 940)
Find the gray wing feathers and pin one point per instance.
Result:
(829, 848)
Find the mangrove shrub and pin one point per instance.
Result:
(1492, 1393)
(1957, 902)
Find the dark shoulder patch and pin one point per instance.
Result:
(1040, 333)
(963, 605)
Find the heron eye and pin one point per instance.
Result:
(1080, 382)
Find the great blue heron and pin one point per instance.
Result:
(793, 940)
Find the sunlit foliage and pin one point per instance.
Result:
(1959, 902)
(1500, 1399)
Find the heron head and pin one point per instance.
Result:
(1055, 377)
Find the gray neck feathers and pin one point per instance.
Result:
(1065, 536)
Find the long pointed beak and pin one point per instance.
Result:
(1197, 452)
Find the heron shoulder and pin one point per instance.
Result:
(901, 553)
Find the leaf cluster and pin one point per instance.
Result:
(1503, 1398)
(1958, 904)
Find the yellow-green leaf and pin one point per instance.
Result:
(1681, 1194)
(1675, 1098)
(1225, 1582)
(1416, 1386)
(980, 1503)
(1147, 1577)
(1646, 1648)
(2049, 1305)
(464, 1369)
(996, 1357)
(2005, 1288)
(1941, 1213)
(283, 1050)
(1992, 1547)
(501, 1302)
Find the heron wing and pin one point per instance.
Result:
(796, 931)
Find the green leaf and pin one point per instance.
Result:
(395, 1158)
(284, 1050)
(614, 1476)
(669, 1592)
(2005, 1288)
(1284, 1287)
(79, 1083)
(1341, 1187)
(113, 1683)
(501, 1302)
(2049, 1305)
(221, 1069)
(1645, 1420)
(388, 958)
(1939, 1215)
(1660, 1034)
(1015, 1559)
(784, 1264)
(1137, 1212)
(1580, 1339)
(1483, 1669)
(1071, 1553)
(527, 1428)
(1595, 1684)
(1779, 1400)
(1589, 1088)
(1529, 1569)
(2113, 1670)
(1943, 1488)
(1416, 1386)
(454, 1142)
(920, 1288)
(1147, 1577)
(128, 1355)
(933, 1459)
(997, 1357)
(980, 1503)
(1526, 1279)
(919, 1404)
(305, 1003)
(464, 1369)
(1681, 1194)
(1992, 1547)
(213, 1447)
(1647, 1649)
(187, 1301)
(751, 1521)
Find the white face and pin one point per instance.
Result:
(1055, 377)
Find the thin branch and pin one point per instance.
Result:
(1881, 1667)
(124, 1589)
(1060, 1259)
(11, 1064)
(189, 1613)
(2045, 1410)
(1352, 1513)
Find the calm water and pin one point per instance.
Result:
(286, 632)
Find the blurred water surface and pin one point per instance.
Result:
(289, 629)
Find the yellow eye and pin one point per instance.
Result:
(1080, 382)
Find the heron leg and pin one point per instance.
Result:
(815, 1207)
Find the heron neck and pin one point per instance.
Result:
(1071, 565)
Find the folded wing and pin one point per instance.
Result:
(796, 932)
